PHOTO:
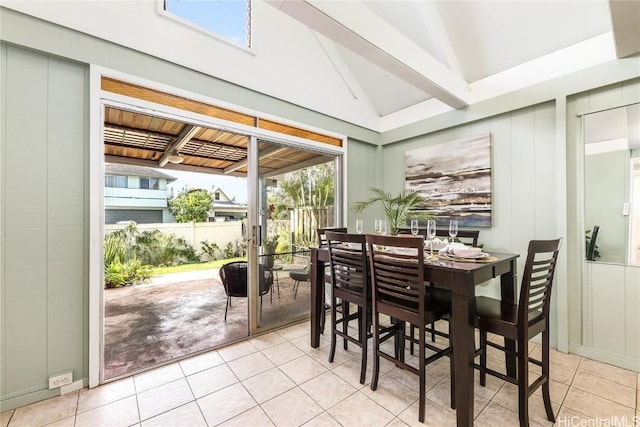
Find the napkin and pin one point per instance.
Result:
(437, 243)
(451, 247)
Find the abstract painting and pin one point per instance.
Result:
(455, 180)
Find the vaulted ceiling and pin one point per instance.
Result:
(400, 54)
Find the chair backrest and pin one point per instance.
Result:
(397, 276)
(348, 262)
(322, 238)
(591, 250)
(537, 280)
(468, 237)
(234, 279)
(407, 230)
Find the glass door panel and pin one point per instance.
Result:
(295, 195)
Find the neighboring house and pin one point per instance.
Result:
(223, 207)
(136, 193)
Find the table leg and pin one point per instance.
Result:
(317, 293)
(508, 289)
(462, 308)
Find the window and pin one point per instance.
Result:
(230, 19)
(216, 196)
(149, 183)
(115, 181)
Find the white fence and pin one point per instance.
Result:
(220, 233)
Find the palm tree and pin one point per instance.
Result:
(396, 209)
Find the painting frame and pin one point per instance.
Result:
(454, 178)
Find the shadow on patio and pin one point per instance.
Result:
(182, 314)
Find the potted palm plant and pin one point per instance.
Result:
(396, 208)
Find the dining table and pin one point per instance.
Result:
(461, 278)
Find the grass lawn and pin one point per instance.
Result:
(193, 267)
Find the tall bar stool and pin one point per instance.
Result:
(399, 291)
(322, 243)
(522, 322)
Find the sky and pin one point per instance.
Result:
(224, 17)
(231, 185)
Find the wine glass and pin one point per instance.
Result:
(359, 225)
(431, 234)
(383, 227)
(453, 229)
(414, 227)
(377, 226)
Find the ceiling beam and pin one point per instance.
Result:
(263, 154)
(188, 132)
(625, 22)
(153, 164)
(360, 30)
(296, 166)
(434, 25)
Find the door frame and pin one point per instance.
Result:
(98, 99)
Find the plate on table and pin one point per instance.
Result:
(404, 251)
(471, 253)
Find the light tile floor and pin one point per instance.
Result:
(277, 379)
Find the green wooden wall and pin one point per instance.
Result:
(44, 278)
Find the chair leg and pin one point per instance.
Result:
(433, 331)
(345, 325)
(295, 288)
(523, 382)
(421, 358)
(332, 351)
(362, 332)
(483, 358)
(545, 373)
(226, 307)
(376, 350)
(412, 331)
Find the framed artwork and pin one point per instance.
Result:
(455, 180)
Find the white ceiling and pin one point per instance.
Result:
(403, 53)
(374, 63)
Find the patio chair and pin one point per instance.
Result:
(234, 280)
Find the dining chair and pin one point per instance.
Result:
(322, 242)
(234, 280)
(399, 291)
(349, 284)
(322, 234)
(468, 237)
(521, 322)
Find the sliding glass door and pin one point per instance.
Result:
(296, 191)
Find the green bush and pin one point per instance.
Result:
(131, 272)
(129, 255)
(158, 249)
(212, 250)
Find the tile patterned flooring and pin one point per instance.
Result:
(277, 379)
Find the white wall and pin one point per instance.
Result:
(524, 161)
(194, 233)
(141, 26)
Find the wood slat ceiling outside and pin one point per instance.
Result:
(140, 92)
(137, 138)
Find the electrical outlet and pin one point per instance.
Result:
(60, 380)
